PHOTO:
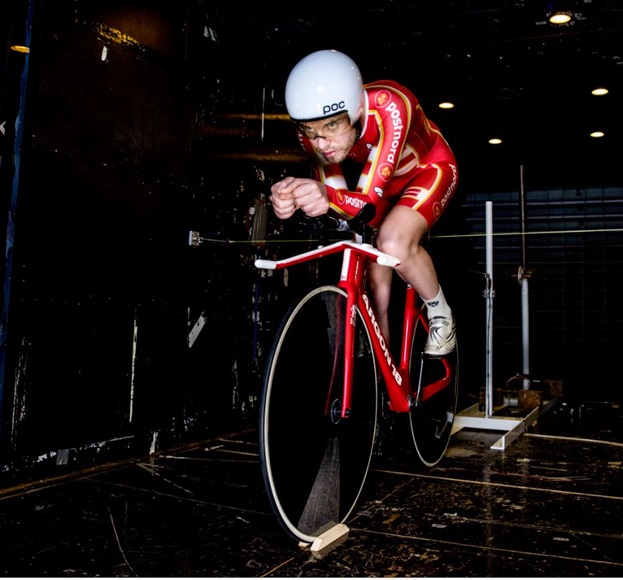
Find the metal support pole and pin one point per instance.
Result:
(523, 280)
(489, 313)
(525, 331)
(474, 417)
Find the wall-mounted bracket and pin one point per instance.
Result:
(194, 238)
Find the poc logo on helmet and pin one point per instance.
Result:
(334, 108)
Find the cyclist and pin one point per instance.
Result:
(378, 134)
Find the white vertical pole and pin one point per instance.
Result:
(525, 330)
(525, 310)
(489, 313)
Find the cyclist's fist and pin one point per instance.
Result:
(282, 198)
(295, 192)
(311, 196)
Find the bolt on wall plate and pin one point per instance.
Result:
(194, 238)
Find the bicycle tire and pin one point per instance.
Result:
(432, 420)
(315, 464)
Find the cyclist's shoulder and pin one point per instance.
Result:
(386, 96)
(380, 93)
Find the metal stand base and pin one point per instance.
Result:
(513, 426)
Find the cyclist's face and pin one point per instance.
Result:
(333, 137)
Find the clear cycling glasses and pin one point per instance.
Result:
(334, 127)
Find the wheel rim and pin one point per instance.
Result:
(431, 420)
(314, 462)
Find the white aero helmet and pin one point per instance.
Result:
(323, 84)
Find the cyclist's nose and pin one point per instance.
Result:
(322, 142)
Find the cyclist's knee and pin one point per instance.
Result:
(401, 247)
(401, 243)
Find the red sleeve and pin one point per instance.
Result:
(342, 201)
(395, 135)
(381, 149)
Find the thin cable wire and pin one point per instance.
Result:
(472, 235)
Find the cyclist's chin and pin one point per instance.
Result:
(335, 155)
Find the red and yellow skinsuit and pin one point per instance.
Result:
(406, 161)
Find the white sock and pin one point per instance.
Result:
(438, 306)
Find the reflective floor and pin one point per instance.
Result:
(549, 504)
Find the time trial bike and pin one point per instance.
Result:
(322, 398)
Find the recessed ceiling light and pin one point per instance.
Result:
(599, 91)
(495, 141)
(446, 105)
(560, 17)
(597, 134)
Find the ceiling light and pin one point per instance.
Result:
(20, 48)
(560, 17)
(446, 105)
(599, 91)
(495, 141)
(597, 134)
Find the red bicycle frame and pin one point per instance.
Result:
(356, 257)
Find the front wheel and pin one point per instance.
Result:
(431, 417)
(314, 462)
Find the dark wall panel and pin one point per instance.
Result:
(572, 245)
(105, 287)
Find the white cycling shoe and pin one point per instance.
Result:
(441, 336)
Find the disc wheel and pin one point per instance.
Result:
(314, 462)
(432, 419)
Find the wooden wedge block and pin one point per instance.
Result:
(330, 539)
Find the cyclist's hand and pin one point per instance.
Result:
(311, 196)
(282, 198)
(307, 194)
